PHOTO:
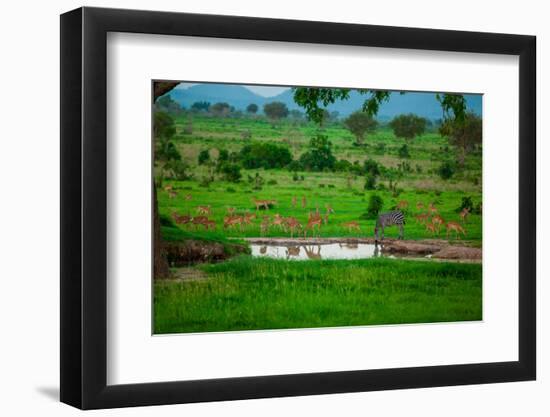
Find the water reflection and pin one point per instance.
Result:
(325, 251)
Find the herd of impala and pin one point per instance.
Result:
(428, 215)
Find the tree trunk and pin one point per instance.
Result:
(160, 262)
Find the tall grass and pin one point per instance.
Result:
(253, 294)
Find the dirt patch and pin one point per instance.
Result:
(194, 251)
(458, 252)
(188, 274)
(407, 247)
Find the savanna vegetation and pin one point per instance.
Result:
(223, 174)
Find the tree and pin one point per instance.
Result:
(319, 156)
(220, 109)
(403, 152)
(360, 123)
(166, 104)
(265, 155)
(311, 99)
(231, 172)
(464, 134)
(204, 157)
(163, 127)
(200, 106)
(252, 108)
(161, 268)
(276, 110)
(408, 126)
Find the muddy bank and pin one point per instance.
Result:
(195, 251)
(433, 248)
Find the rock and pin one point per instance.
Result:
(409, 247)
(192, 251)
(458, 252)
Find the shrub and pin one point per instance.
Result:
(331, 186)
(319, 156)
(343, 165)
(370, 182)
(176, 170)
(166, 151)
(371, 167)
(204, 156)
(294, 166)
(446, 170)
(230, 190)
(295, 177)
(166, 221)
(375, 205)
(265, 155)
(231, 172)
(466, 203)
(321, 185)
(403, 152)
(272, 182)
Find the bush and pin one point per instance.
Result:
(167, 151)
(295, 177)
(230, 190)
(370, 182)
(265, 155)
(380, 148)
(466, 203)
(319, 157)
(371, 167)
(375, 205)
(231, 172)
(272, 182)
(166, 221)
(294, 166)
(204, 156)
(176, 170)
(343, 165)
(446, 170)
(331, 186)
(321, 185)
(403, 152)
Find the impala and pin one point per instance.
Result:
(452, 226)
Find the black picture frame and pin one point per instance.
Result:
(84, 207)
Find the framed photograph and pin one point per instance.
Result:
(257, 208)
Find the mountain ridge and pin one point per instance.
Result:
(423, 104)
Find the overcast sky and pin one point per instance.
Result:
(262, 90)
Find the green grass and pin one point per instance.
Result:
(348, 199)
(252, 294)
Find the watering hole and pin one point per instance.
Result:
(319, 251)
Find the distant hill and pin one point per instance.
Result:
(422, 104)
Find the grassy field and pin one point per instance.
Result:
(247, 293)
(253, 294)
(345, 193)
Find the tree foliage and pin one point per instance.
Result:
(276, 110)
(220, 109)
(264, 155)
(201, 106)
(464, 134)
(408, 126)
(314, 100)
(319, 157)
(360, 123)
(252, 108)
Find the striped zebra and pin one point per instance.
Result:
(389, 219)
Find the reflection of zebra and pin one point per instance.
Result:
(389, 219)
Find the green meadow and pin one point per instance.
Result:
(253, 293)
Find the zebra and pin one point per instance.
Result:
(389, 219)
